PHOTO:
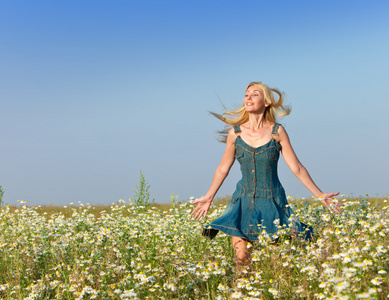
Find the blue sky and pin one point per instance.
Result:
(92, 92)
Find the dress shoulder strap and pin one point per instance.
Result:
(275, 129)
(237, 129)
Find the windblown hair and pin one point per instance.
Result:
(240, 116)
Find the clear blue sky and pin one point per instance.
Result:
(92, 92)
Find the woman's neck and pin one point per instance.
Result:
(256, 121)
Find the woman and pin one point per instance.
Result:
(259, 202)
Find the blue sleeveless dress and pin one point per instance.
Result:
(259, 199)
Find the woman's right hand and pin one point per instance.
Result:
(202, 207)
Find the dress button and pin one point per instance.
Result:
(252, 171)
(253, 180)
(252, 160)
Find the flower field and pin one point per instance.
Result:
(136, 252)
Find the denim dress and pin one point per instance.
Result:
(259, 202)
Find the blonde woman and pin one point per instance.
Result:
(259, 202)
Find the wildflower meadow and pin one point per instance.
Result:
(133, 251)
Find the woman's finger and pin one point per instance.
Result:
(194, 211)
(197, 216)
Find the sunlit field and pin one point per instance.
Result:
(129, 251)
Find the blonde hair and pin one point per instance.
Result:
(240, 116)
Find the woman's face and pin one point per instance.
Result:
(254, 101)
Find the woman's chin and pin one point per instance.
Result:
(251, 110)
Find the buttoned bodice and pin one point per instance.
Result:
(259, 167)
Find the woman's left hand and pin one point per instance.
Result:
(327, 201)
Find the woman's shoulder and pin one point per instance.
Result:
(232, 134)
(281, 128)
(281, 135)
(278, 132)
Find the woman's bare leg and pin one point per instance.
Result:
(242, 253)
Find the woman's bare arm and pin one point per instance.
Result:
(221, 173)
(301, 173)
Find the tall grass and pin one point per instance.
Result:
(142, 192)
